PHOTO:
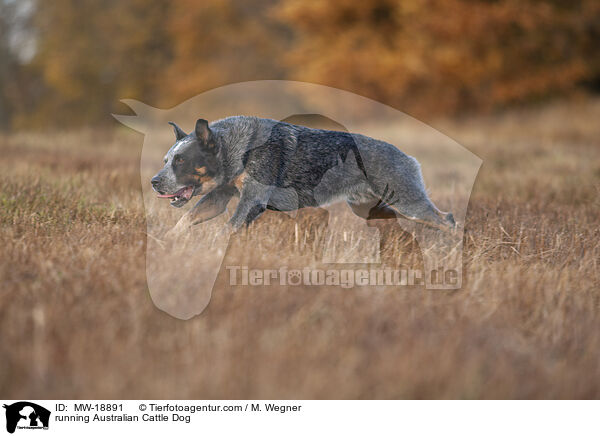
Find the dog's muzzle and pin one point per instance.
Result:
(180, 197)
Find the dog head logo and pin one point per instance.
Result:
(26, 415)
(383, 163)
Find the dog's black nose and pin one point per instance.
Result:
(155, 181)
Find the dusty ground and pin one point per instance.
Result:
(76, 319)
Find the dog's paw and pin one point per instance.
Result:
(226, 231)
(180, 229)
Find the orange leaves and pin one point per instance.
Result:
(437, 56)
(427, 57)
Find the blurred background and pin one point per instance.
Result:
(514, 81)
(67, 63)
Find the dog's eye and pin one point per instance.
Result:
(178, 160)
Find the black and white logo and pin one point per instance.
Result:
(26, 415)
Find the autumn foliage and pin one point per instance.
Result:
(426, 57)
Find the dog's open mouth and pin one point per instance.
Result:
(180, 197)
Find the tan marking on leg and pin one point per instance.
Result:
(238, 182)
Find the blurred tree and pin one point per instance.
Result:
(16, 47)
(444, 56)
(222, 41)
(7, 64)
(424, 56)
(90, 54)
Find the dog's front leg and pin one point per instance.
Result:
(212, 204)
(208, 207)
(253, 202)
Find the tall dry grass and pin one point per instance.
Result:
(76, 319)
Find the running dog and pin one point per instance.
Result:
(275, 165)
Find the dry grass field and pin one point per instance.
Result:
(77, 321)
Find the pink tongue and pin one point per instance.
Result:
(183, 192)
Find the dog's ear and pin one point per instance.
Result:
(204, 135)
(178, 132)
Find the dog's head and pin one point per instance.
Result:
(191, 165)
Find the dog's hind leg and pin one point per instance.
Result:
(393, 239)
(424, 211)
(373, 210)
(411, 202)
